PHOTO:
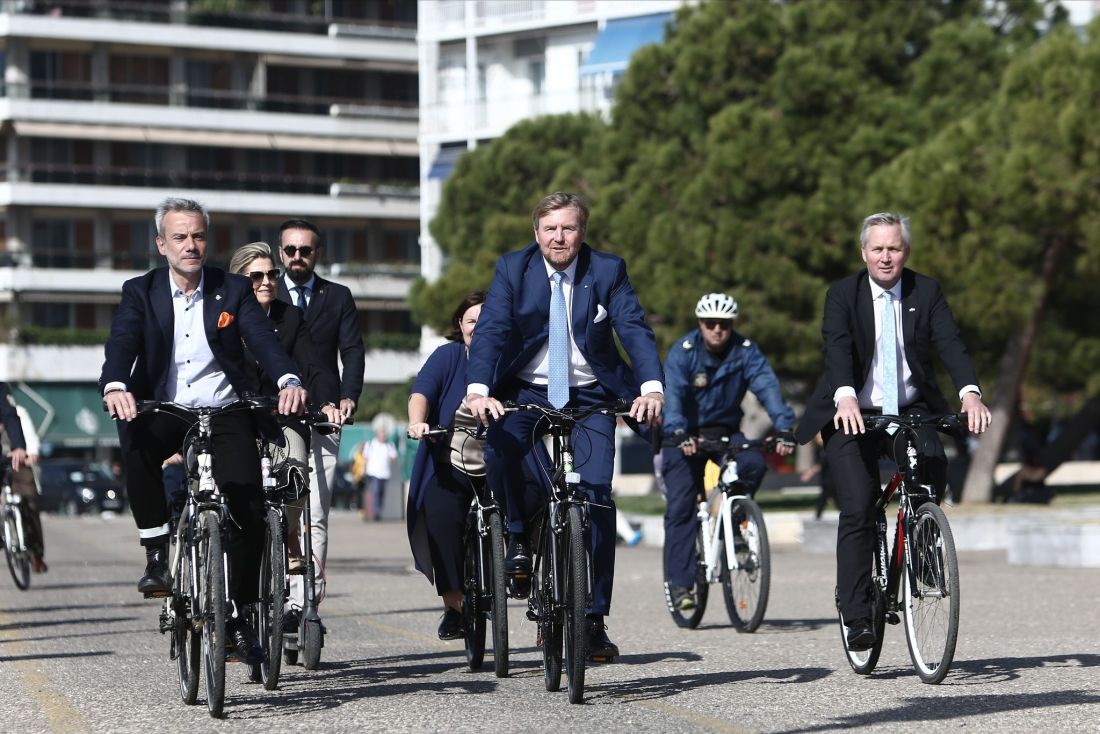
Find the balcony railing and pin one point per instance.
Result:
(495, 115)
(449, 16)
(175, 178)
(67, 258)
(200, 13)
(164, 94)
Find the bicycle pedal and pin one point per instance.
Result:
(155, 594)
(893, 618)
(601, 658)
(532, 615)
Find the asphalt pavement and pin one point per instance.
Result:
(80, 652)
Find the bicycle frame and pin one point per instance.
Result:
(11, 502)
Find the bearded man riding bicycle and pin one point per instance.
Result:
(707, 373)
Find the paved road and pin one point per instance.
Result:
(79, 652)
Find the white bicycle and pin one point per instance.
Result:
(731, 545)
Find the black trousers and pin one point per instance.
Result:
(447, 499)
(853, 462)
(150, 439)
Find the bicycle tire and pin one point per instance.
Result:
(473, 618)
(746, 588)
(212, 601)
(550, 624)
(500, 596)
(313, 639)
(186, 642)
(15, 551)
(273, 588)
(863, 662)
(931, 625)
(575, 569)
(701, 589)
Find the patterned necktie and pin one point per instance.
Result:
(557, 385)
(300, 297)
(889, 356)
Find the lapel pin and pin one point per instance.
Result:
(911, 310)
(218, 297)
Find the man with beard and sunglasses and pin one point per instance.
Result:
(333, 324)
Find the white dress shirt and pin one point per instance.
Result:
(308, 285)
(195, 378)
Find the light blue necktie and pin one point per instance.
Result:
(889, 356)
(557, 384)
(300, 297)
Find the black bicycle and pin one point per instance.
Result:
(14, 537)
(562, 568)
(731, 544)
(485, 585)
(921, 563)
(196, 606)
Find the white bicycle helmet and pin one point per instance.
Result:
(716, 306)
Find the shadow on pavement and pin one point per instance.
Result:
(663, 686)
(387, 566)
(83, 585)
(941, 708)
(72, 607)
(57, 622)
(54, 656)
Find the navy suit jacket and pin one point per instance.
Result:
(290, 327)
(333, 324)
(515, 322)
(139, 350)
(848, 330)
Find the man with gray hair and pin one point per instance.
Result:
(178, 336)
(879, 329)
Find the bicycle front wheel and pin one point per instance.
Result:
(691, 619)
(186, 642)
(212, 585)
(747, 586)
(15, 550)
(500, 596)
(549, 613)
(473, 618)
(931, 593)
(273, 588)
(575, 567)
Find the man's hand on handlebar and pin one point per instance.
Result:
(848, 418)
(120, 405)
(978, 416)
(689, 446)
(333, 414)
(18, 459)
(292, 400)
(416, 431)
(784, 443)
(483, 407)
(647, 408)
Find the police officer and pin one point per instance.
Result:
(707, 373)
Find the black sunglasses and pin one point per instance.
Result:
(303, 251)
(258, 275)
(717, 323)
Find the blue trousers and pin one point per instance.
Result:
(510, 440)
(683, 477)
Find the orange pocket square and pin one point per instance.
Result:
(225, 319)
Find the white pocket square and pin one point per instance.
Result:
(601, 314)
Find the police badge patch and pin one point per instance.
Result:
(700, 379)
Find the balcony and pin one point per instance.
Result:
(449, 18)
(490, 118)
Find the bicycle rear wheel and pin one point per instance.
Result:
(701, 590)
(473, 618)
(931, 594)
(186, 642)
(549, 614)
(212, 587)
(500, 596)
(273, 588)
(15, 550)
(575, 568)
(746, 587)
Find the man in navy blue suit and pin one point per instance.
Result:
(177, 336)
(522, 351)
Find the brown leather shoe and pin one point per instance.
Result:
(38, 564)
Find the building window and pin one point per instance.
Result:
(51, 315)
(61, 75)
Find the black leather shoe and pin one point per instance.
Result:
(518, 560)
(600, 647)
(292, 619)
(244, 641)
(156, 580)
(450, 625)
(861, 635)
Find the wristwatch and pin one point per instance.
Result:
(293, 382)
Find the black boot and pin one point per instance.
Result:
(156, 580)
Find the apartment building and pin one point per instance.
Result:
(487, 64)
(261, 110)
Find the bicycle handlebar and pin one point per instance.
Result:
(942, 422)
(443, 431)
(617, 408)
(313, 418)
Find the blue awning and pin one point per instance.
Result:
(445, 161)
(620, 38)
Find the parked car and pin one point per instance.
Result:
(75, 486)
